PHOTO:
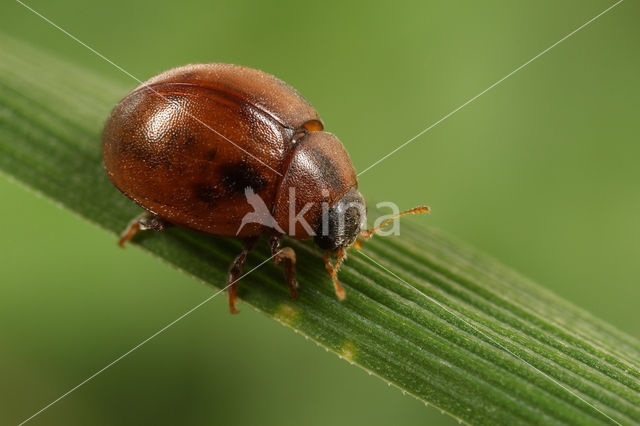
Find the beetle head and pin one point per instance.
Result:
(342, 223)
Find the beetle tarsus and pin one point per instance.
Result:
(235, 272)
(288, 256)
(142, 222)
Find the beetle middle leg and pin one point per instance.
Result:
(145, 221)
(288, 256)
(235, 272)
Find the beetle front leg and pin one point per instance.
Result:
(145, 221)
(288, 256)
(235, 271)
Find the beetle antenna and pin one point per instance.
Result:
(333, 270)
(368, 233)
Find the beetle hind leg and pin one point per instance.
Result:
(143, 222)
(235, 272)
(287, 256)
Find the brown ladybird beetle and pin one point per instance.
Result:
(192, 144)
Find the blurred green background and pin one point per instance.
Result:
(542, 172)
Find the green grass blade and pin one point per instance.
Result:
(435, 318)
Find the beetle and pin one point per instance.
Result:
(192, 144)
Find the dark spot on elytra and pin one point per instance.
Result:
(211, 154)
(206, 192)
(237, 177)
